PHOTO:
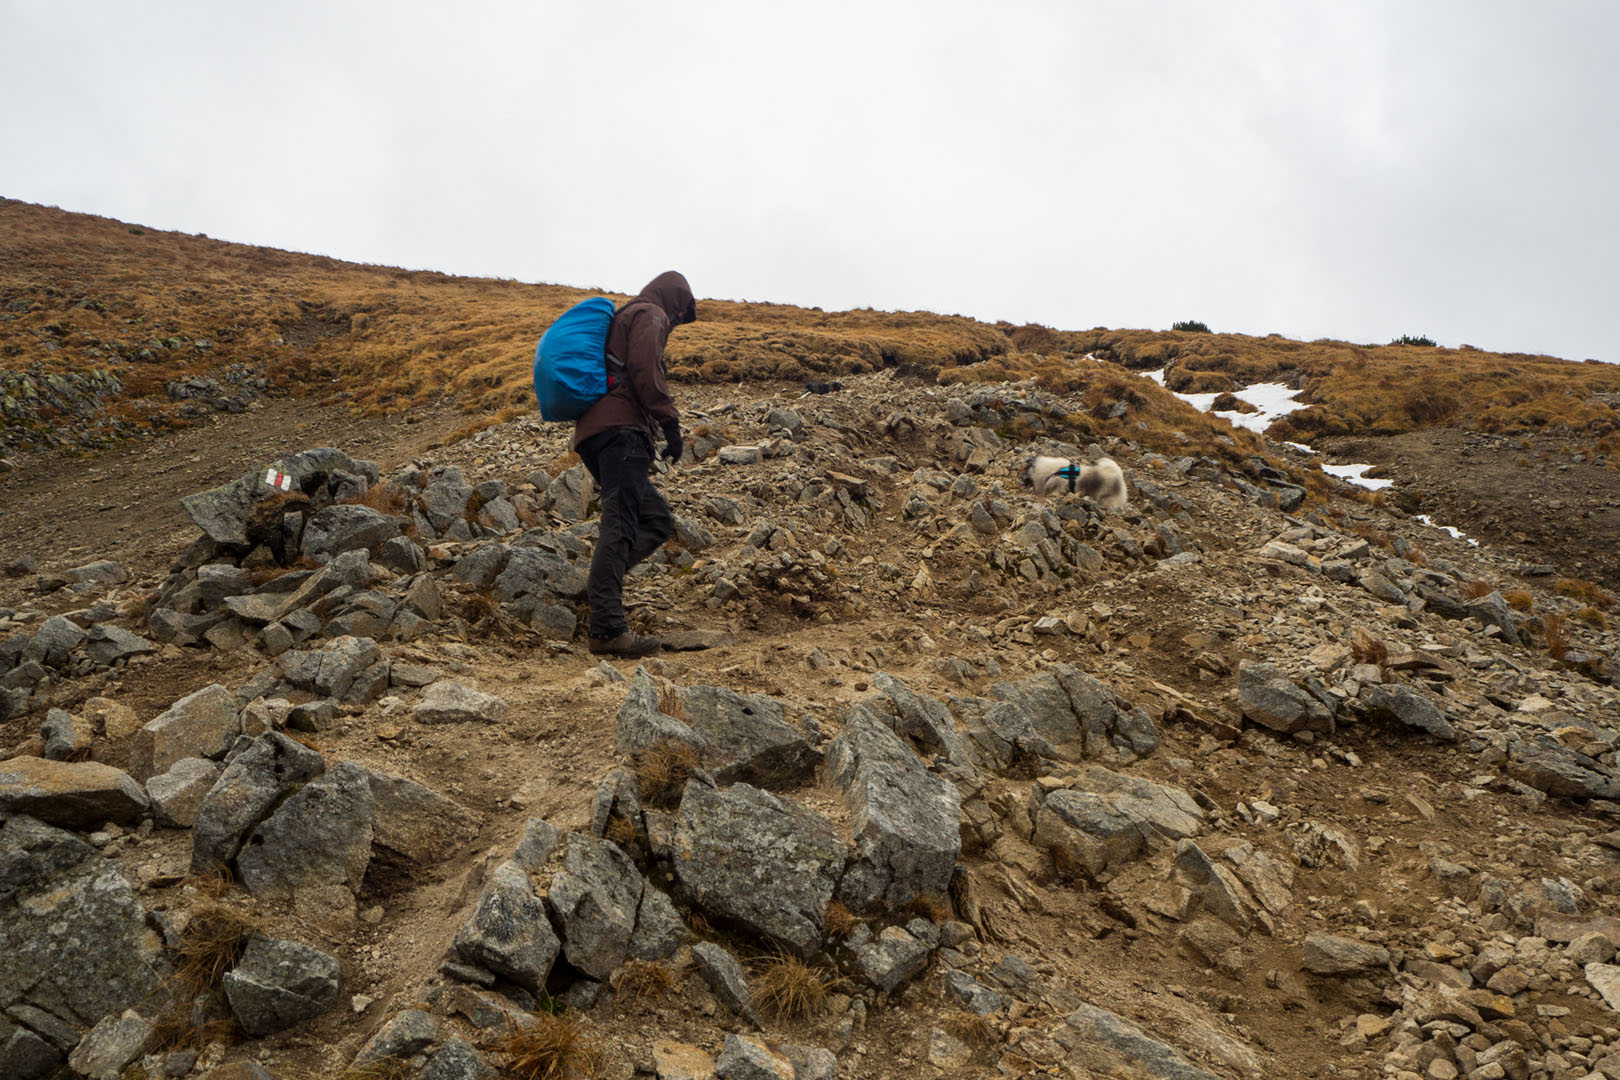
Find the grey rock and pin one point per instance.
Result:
(342, 527)
(594, 900)
(1493, 610)
(1328, 954)
(538, 842)
(659, 929)
(480, 567)
(972, 994)
(1004, 732)
(533, 577)
(1269, 698)
(725, 977)
(924, 720)
(745, 738)
(32, 853)
(1214, 887)
(811, 1062)
(320, 836)
(75, 794)
(404, 1035)
(1102, 1042)
(202, 724)
(691, 533)
(55, 640)
(457, 1059)
(759, 861)
(177, 795)
(508, 932)
(78, 947)
(444, 501)
(1548, 765)
(745, 1058)
(1409, 707)
(97, 573)
(24, 1055)
(906, 820)
(416, 822)
(449, 702)
(252, 784)
(891, 958)
(111, 1045)
(641, 724)
(401, 555)
(277, 984)
(569, 494)
(66, 736)
(222, 513)
(107, 644)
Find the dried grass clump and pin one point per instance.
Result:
(1552, 635)
(385, 498)
(555, 1047)
(384, 1068)
(1593, 617)
(1520, 600)
(662, 771)
(975, 1030)
(789, 989)
(639, 980)
(1586, 591)
(1367, 648)
(1476, 590)
(839, 920)
(210, 946)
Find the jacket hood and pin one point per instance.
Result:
(670, 292)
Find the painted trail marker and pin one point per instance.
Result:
(278, 480)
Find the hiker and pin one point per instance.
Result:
(615, 438)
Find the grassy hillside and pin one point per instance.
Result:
(102, 324)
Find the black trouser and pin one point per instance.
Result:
(635, 520)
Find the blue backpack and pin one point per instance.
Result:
(571, 362)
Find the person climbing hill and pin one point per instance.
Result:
(615, 439)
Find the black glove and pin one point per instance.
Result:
(672, 440)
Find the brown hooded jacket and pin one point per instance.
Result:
(640, 396)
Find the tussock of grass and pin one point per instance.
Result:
(555, 1047)
(1553, 636)
(1519, 599)
(839, 920)
(210, 946)
(638, 980)
(1593, 617)
(789, 989)
(1368, 648)
(1586, 591)
(662, 771)
(1476, 590)
(973, 1029)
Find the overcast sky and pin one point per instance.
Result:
(1356, 170)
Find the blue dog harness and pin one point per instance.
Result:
(1071, 473)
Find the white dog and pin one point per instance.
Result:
(1104, 481)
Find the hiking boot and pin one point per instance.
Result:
(626, 644)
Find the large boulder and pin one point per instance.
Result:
(319, 837)
(74, 936)
(202, 724)
(1107, 818)
(765, 864)
(1269, 697)
(449, 702)
(744, 737)
(508, 932)
(177, 795)
(1107, 1045)
(346, 527)
(533, 577)
(594, 899)
(925, 721)
(416, 822)
(277, 984)
(77, 794)
(223, 513)
(250, 787)
(906, 820)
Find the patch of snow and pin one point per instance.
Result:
(1353, 473)
(1455, 534)
(1156, 376)
(1300, 446)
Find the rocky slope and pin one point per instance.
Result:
(936, 777)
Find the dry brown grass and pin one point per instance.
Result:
(1593, 617)
(787, 988)
(1476, 590)
(974, 1030)
(210, 946)
(1519, 599)
(641, 980)
(662, 771)
(386, 1068)
(1586, 591)
(1553, 636)
(554, 1047)
(151, 307)
(1368, 648)
(839, 920)
(384, 498)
